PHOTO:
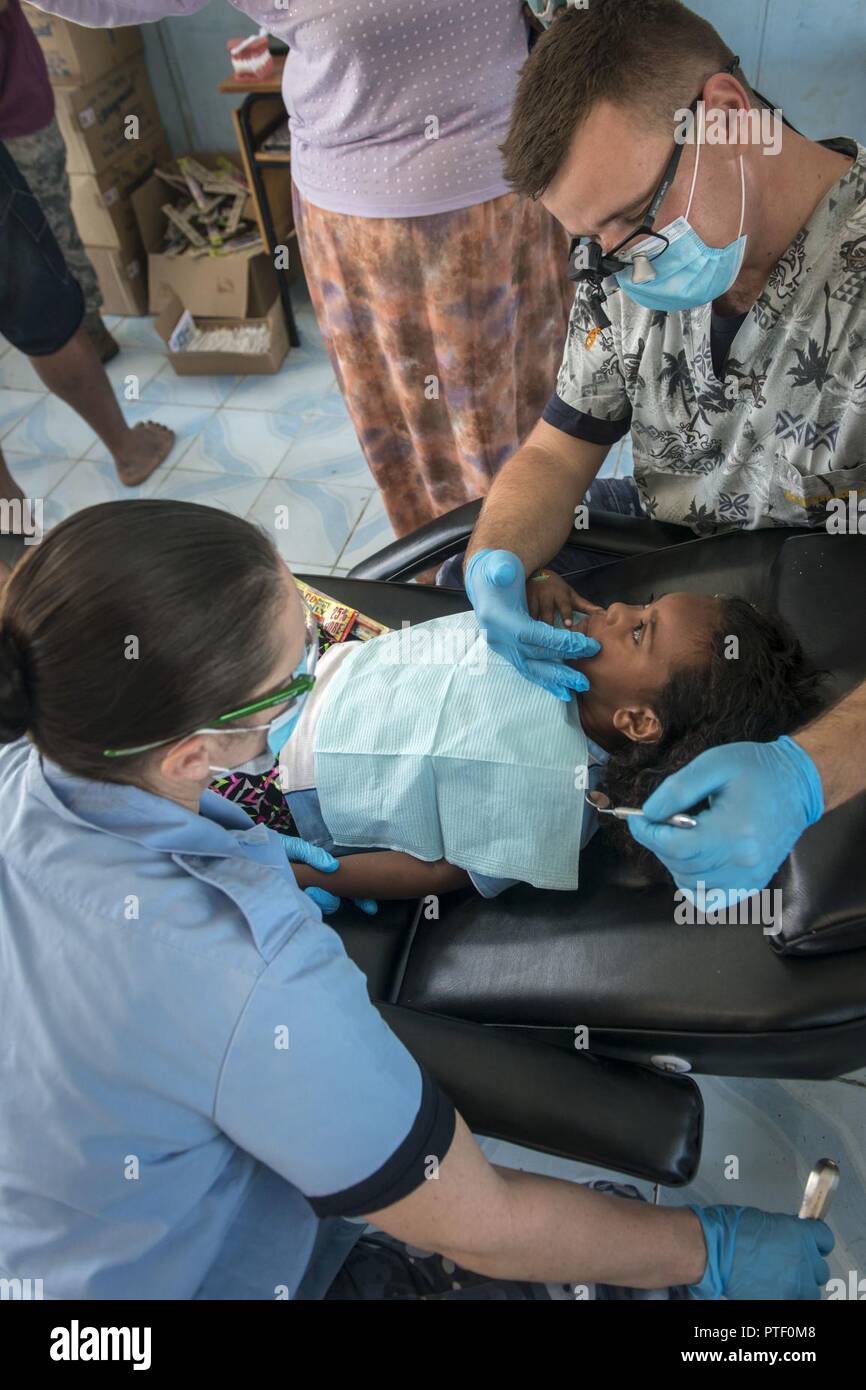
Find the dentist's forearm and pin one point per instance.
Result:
(112, 14)
(530, 507)
(835, 742)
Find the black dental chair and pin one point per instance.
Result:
(490, 995)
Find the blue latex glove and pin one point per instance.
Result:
(329, 902)
(496, 584)
(300, 851)
(762, 1254)
(762, 797)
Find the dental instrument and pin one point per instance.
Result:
(598, 799)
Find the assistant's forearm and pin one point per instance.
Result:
(384, 874)
(836, 743)
(560, 1232)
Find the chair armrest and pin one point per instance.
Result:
(608, 533)
(573, 1104)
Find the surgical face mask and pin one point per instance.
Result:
(280, 729)
(686, 273)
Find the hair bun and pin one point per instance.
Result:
(15, 705)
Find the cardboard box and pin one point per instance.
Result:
(122, 278)
(209, 286)
(229, 363)
(74, 54)
(95, 118)
(102, 203)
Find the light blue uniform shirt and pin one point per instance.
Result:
(191, 1071)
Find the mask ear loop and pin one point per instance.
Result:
(701, 118)
(698, 160)
(743, 198)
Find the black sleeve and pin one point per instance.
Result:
(584, 426)
(430, 1137)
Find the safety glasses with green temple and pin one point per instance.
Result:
(294, 692)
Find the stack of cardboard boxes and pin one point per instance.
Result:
(110, 122)
(114, 142)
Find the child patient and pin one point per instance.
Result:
(433, 753)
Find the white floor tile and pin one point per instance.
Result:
(326, 448)
(303, 379)
(17, 372)
(36, 476)
(170, 389)
(138, 333)
(240, 441)
(14, 406)
(48, 428)
(186, 421)
(88, 482)
(232, 493)
(131, 370)
(309, 523)
(374, 530)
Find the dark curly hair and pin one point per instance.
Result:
(766, 690)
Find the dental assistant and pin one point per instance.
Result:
(721, 295)
(195, 1089)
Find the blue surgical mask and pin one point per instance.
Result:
(279, 733)
(688, 273)
(281, 728)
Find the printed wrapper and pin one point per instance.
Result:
(337, 619)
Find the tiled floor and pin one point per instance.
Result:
(256, 443)
(248, 444)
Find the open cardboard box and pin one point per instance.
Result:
(211, 286)
(265, 310)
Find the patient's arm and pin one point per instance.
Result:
(385, 873)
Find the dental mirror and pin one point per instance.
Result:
(601, 802)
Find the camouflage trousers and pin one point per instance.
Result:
(42, 161)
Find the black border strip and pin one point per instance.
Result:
(430, 1135)
(579, 425)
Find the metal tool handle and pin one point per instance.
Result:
(820, 1186)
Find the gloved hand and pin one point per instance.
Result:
(300, 851)
(329, 902)
(762, 797)
(496, 584)
(762, 1254)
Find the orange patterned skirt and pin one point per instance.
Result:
(445, 333)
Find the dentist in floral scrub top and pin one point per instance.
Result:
(720, 317)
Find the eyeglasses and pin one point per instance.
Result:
(301, 682)
(587, 260)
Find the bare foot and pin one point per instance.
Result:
(146, 446)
